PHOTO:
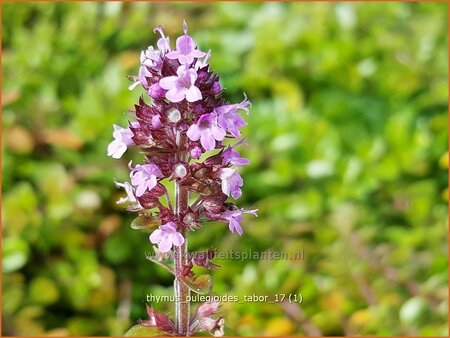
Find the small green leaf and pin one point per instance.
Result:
(143, 331)
(145, 222)
(203, 284)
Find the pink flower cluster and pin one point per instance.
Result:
(181, 131)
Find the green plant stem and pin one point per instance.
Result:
(182, 306)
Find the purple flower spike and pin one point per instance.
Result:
(144, 177)
(231, 156)
(166, 236)
(122, 140)
(207, 131)
(234, 217)
(231, 182)
(181, 135)
(186, 50)
(182, 86)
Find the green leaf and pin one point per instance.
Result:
(143, 331)
(202, 284)
(145, 222)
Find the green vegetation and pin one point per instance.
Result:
(348, 148)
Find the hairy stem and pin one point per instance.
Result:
(181, 290)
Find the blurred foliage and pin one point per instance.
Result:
(348, 147)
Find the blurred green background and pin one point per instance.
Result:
(348, 148)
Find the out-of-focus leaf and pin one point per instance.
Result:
(62, 138)
(415, 312)
(43, 291)
(114, 249)
(15, 253)
(19, 140)
(279, 327)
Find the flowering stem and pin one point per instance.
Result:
(181, 290)
(170, 139)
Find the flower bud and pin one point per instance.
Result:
(182, 126)
(216, 88)
(156, 121)
(189, 218)
(180, 171)
(196, 152)
(173, 115)
(155, 91)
